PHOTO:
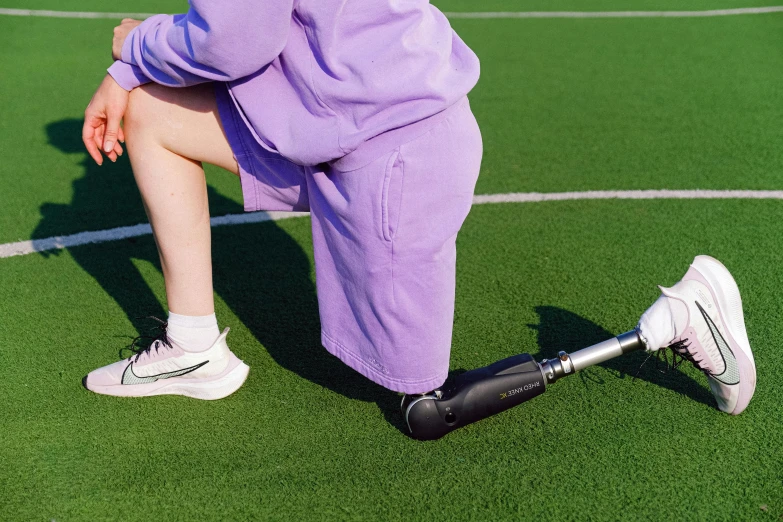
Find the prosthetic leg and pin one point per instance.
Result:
(482, 392)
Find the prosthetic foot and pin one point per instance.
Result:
(482, 392)
(708, 329)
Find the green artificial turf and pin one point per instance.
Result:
(629, 103)
(308, 438)
(174, 6)
(592, 5)
(571, 105)
(563, 105)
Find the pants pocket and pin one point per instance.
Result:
(391, 198)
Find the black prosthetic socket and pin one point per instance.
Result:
(482, 392)
(473, 396)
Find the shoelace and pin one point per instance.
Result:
(680, 349)
(158, 339)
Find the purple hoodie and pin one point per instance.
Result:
(314, 79)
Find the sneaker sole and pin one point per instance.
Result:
(208, 389)
(727, 295)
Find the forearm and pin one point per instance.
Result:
(210, 42)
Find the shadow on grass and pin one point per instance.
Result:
(560, 329)
(260, 272)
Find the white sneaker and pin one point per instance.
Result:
(710, 331)
(163, 369)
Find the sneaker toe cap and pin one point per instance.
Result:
(110, 375)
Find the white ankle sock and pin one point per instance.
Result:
(657, 326)
(192, 333)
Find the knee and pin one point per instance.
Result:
(143, 112)
(154, 111)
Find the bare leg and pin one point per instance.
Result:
(169, 133)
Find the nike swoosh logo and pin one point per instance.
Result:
(128, 377)
(730, 374)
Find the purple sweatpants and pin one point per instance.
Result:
(385, 220)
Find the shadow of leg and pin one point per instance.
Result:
(264, 276)
(113, 270)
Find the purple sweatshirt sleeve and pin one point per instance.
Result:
(213, 41)
(127, 76)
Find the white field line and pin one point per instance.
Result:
(619, 14)
(474, 15)
(70, 14)
(532, 197)
(31, 246)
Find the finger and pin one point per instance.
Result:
(113, 155)
(121, 135)
(98, 136)
(88, 133)
(112, 130)
(118, 149)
